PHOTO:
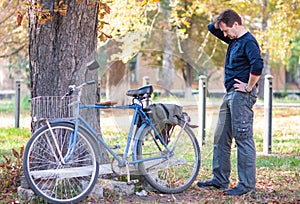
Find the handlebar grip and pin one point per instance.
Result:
(70, 91)
(91, 82)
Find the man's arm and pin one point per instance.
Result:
(217, 32)
(252, 52)
(246, 87)
(253, 79)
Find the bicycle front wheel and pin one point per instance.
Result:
(48, 176)
(179, 168)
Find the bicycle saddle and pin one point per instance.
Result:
(142, 92)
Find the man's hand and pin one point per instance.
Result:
(216, 26)
(242, 19)
(240, 86)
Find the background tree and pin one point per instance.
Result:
(270, 20)
(124, 18)
(13, 37)
(167, 73)
(198, 49)
(274, 23)
(294, 61)
(116, 75)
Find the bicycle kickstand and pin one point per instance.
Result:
(129, 182)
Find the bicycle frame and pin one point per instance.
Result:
(62, 159)
(133, 135)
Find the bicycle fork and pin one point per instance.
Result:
(56, 145)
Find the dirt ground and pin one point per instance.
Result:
(263, 194)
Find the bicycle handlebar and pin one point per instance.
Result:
(91, 82)
(72, 88)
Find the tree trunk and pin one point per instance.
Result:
(117, 82)
(187, 74)
(59, 51)
(265, 56)
(117, 76)
(167, 74)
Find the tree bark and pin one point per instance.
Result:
(167, 74)
(117, 82)
(265, 56)
(117, 76)
(187, 74)
(59, 51)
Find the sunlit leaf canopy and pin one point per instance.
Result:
(188, 18)
(13, 28)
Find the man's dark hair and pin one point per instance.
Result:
(228, 17)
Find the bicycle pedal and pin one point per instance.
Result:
(132, 181)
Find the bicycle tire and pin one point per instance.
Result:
(48, 177)
(175, 173)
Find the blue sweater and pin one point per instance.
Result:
(242, 57)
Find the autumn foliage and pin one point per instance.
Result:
(10, 175)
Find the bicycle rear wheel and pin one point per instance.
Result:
(48, 176)
(179, 170)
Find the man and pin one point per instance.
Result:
(243, 68)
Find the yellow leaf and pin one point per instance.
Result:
(42, 21)
(101, 37)
(144, 2)
(105, 7)
(91, 3)
(63, 12)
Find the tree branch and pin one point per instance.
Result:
(7, 17)
(13, 53)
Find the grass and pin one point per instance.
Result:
(277, 175)
(8, 105)
(11, 138)
(278, 179)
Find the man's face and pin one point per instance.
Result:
(230, 32)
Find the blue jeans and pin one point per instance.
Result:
(235, 121)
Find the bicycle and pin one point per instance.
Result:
(61, 159)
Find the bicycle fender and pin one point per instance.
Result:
(136, 141)
(61, 121)
(53, 122)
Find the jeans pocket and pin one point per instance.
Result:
(253, 96)
(243, 132)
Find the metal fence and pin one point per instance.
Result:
(54, 107)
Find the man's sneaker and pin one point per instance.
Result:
(237, 191)
(208, 183)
